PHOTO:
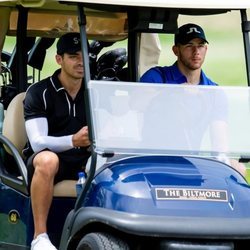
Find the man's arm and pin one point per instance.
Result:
(37, 131)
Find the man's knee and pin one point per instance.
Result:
(46, 162)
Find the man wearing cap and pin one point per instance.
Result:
(190, 48)
(55, 122)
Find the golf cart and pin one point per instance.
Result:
(157, 177)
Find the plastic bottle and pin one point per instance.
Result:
(80, 182)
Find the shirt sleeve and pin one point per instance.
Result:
(153, 75)
(34, 104)
(37, 132)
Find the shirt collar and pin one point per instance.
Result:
(55, 81)
(57, 84)
(177, 75)
(180, 78)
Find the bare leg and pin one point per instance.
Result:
(46, 166)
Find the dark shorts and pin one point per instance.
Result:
(68, 167)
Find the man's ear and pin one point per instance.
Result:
(175, 50)
(58, 59)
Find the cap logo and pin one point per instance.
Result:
(76, 40)
(193, 29)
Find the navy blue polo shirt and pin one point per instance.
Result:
(171, 75)
(65, 116)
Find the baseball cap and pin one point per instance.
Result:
(187, 32)
(69, 43)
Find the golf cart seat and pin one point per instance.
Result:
(14, 131)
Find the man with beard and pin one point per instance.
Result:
(56, 126)
(190, 48)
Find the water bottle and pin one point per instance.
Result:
(80, 182)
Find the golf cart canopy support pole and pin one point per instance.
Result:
(21, 54)
(87, 78)
(246, 40)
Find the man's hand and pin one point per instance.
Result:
(81, 138)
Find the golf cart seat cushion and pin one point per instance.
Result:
(65, 188)
(14, 130)
(13, 124)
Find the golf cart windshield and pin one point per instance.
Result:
(142, 118)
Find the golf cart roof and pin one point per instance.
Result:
(213, 4)
(106, 19)
(59, 18)
(196, 4)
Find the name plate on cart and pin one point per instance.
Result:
(191, 194)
